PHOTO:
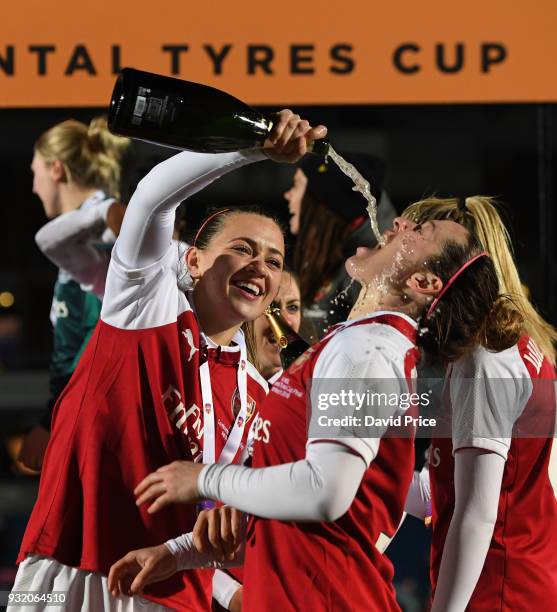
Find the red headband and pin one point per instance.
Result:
(207, 220)
(451, 280)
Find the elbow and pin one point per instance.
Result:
(330, 507)
(43, 241)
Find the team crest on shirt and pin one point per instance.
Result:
(301, 360)
(236, 405)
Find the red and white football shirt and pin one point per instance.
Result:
(133, 405)
(338, 565)
(518, 398)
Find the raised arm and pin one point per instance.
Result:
(147, 228)
(146, 232)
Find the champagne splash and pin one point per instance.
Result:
(361, 185)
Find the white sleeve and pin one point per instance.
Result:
(146, 231)
(358, 369)
(224, 587)
(320, 487)
(68, 239)
(478, 478)
(488, 393)
(188, 557)
(418, 501)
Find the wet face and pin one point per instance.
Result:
(45, 186)
(289, 301)
(239, 272)
(408, 246)
(294, 197)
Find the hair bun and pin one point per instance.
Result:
(97, 128)
(503, 325)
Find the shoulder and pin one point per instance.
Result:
(368, 350)
(256, 377)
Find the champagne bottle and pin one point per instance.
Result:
(291, 345)
(186, 115)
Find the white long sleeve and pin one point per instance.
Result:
(188, 557)
(418, 501)
(320, 487)
(146, 232)
(68, 241)
(478, 478)
(224, 587)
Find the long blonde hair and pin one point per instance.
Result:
(480, 215)
(91, 155)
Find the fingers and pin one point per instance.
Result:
(219, 531)
(153, 478)
(288, 132)
(237, 524)
(142, 579)
(155, 490)
(280, 122)
(229, 544)
(214, 532)
(160, 503)
(121, 573)
(200, 539)
(317, 132)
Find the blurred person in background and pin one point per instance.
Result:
(75, 167)
(289, 302)
(494, 508)
(330, 221)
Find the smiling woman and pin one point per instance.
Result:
(165, 376)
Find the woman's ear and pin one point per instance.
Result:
(57, 171)
(193, 263)
(425, 283)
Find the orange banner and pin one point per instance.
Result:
(334, 52)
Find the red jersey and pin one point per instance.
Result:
(520, 569)
(133, 405)
(337, 565)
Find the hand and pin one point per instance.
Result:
(290, 136)
(235, 604)
(34, 447)
(132, 573)
(175, 483)
(219, 530)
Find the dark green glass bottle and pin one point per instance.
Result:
(291, 345)
(186, 115)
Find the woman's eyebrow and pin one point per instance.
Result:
(254, 243)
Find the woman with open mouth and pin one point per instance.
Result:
(165, 376)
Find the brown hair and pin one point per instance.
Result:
(472, 311)
(319, 247)
(208, 229)
(480, 215)
(90, 155)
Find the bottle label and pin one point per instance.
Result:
(151, 106)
